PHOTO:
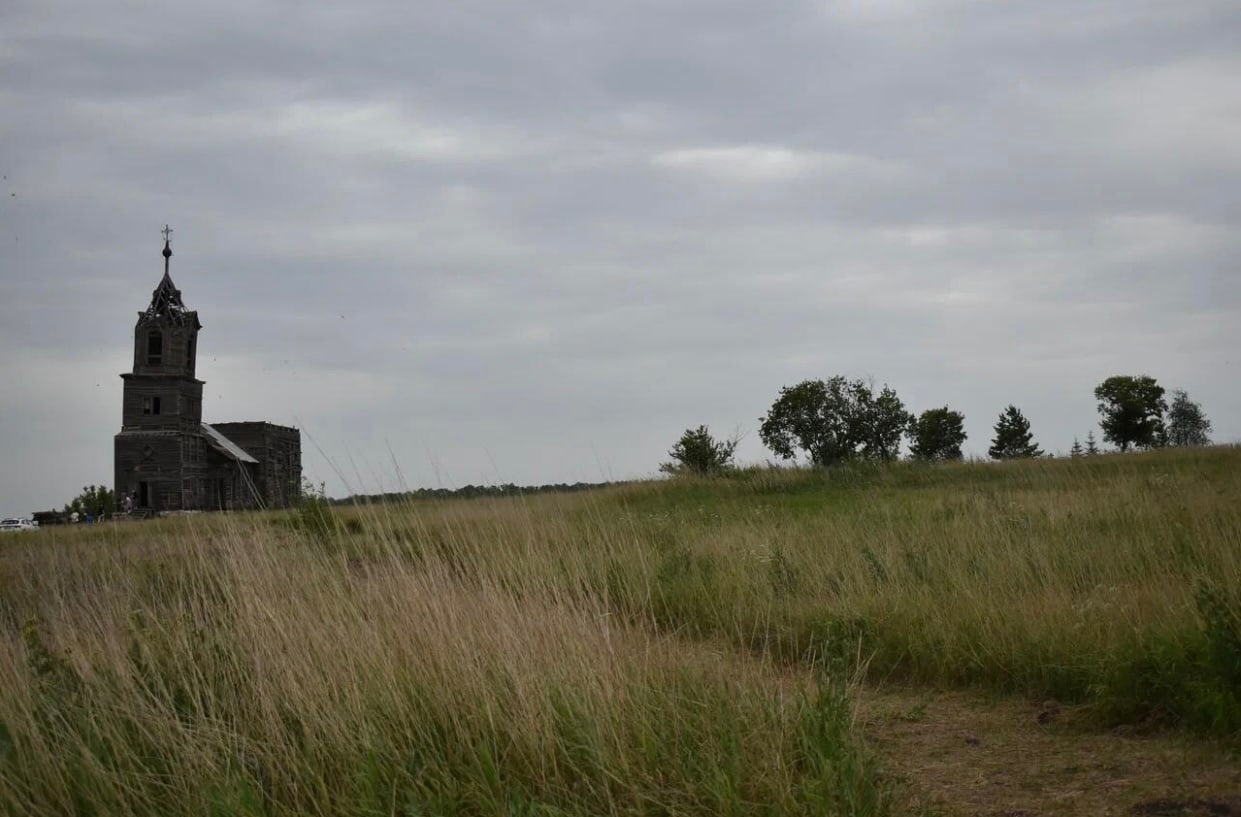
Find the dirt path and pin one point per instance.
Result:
(965, 755)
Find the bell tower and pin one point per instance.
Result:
(161, 412)
(166, 336)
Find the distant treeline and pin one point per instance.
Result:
(472, 492)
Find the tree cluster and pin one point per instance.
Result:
(835, 420)
(838, 420)
(1134, 414)
(1091, 449)
(95, 501)
(470, 492)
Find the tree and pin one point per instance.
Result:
(937, 434)
(886, 421)
(1013, 439)
(1132, 409)
(95, 500)
(697, 452)
(1076, 450)
(1187, 425)
(834, 420)
(1092, 446)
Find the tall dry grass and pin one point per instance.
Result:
(665, 648)
(1113, 581)
(230, 666)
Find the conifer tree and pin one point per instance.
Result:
(1076, 450)
(1013, 439)
(1092, 447)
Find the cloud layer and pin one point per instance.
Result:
(497, 241)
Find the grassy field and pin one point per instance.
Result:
(686, 647)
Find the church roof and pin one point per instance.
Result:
(225, 446)
(166, 299)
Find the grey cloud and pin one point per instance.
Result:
(537, 242)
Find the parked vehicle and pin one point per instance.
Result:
(17, 524)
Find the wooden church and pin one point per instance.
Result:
(167, 458)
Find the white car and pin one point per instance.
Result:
(16, 524)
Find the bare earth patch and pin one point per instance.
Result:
(962, 754)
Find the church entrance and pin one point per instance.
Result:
(219, 494)
(144, 494)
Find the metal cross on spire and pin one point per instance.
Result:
(167, 231)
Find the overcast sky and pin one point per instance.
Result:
(533, 242)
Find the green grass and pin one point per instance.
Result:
(1111, 581)
(665, 648)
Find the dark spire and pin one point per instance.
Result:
(166, 299)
